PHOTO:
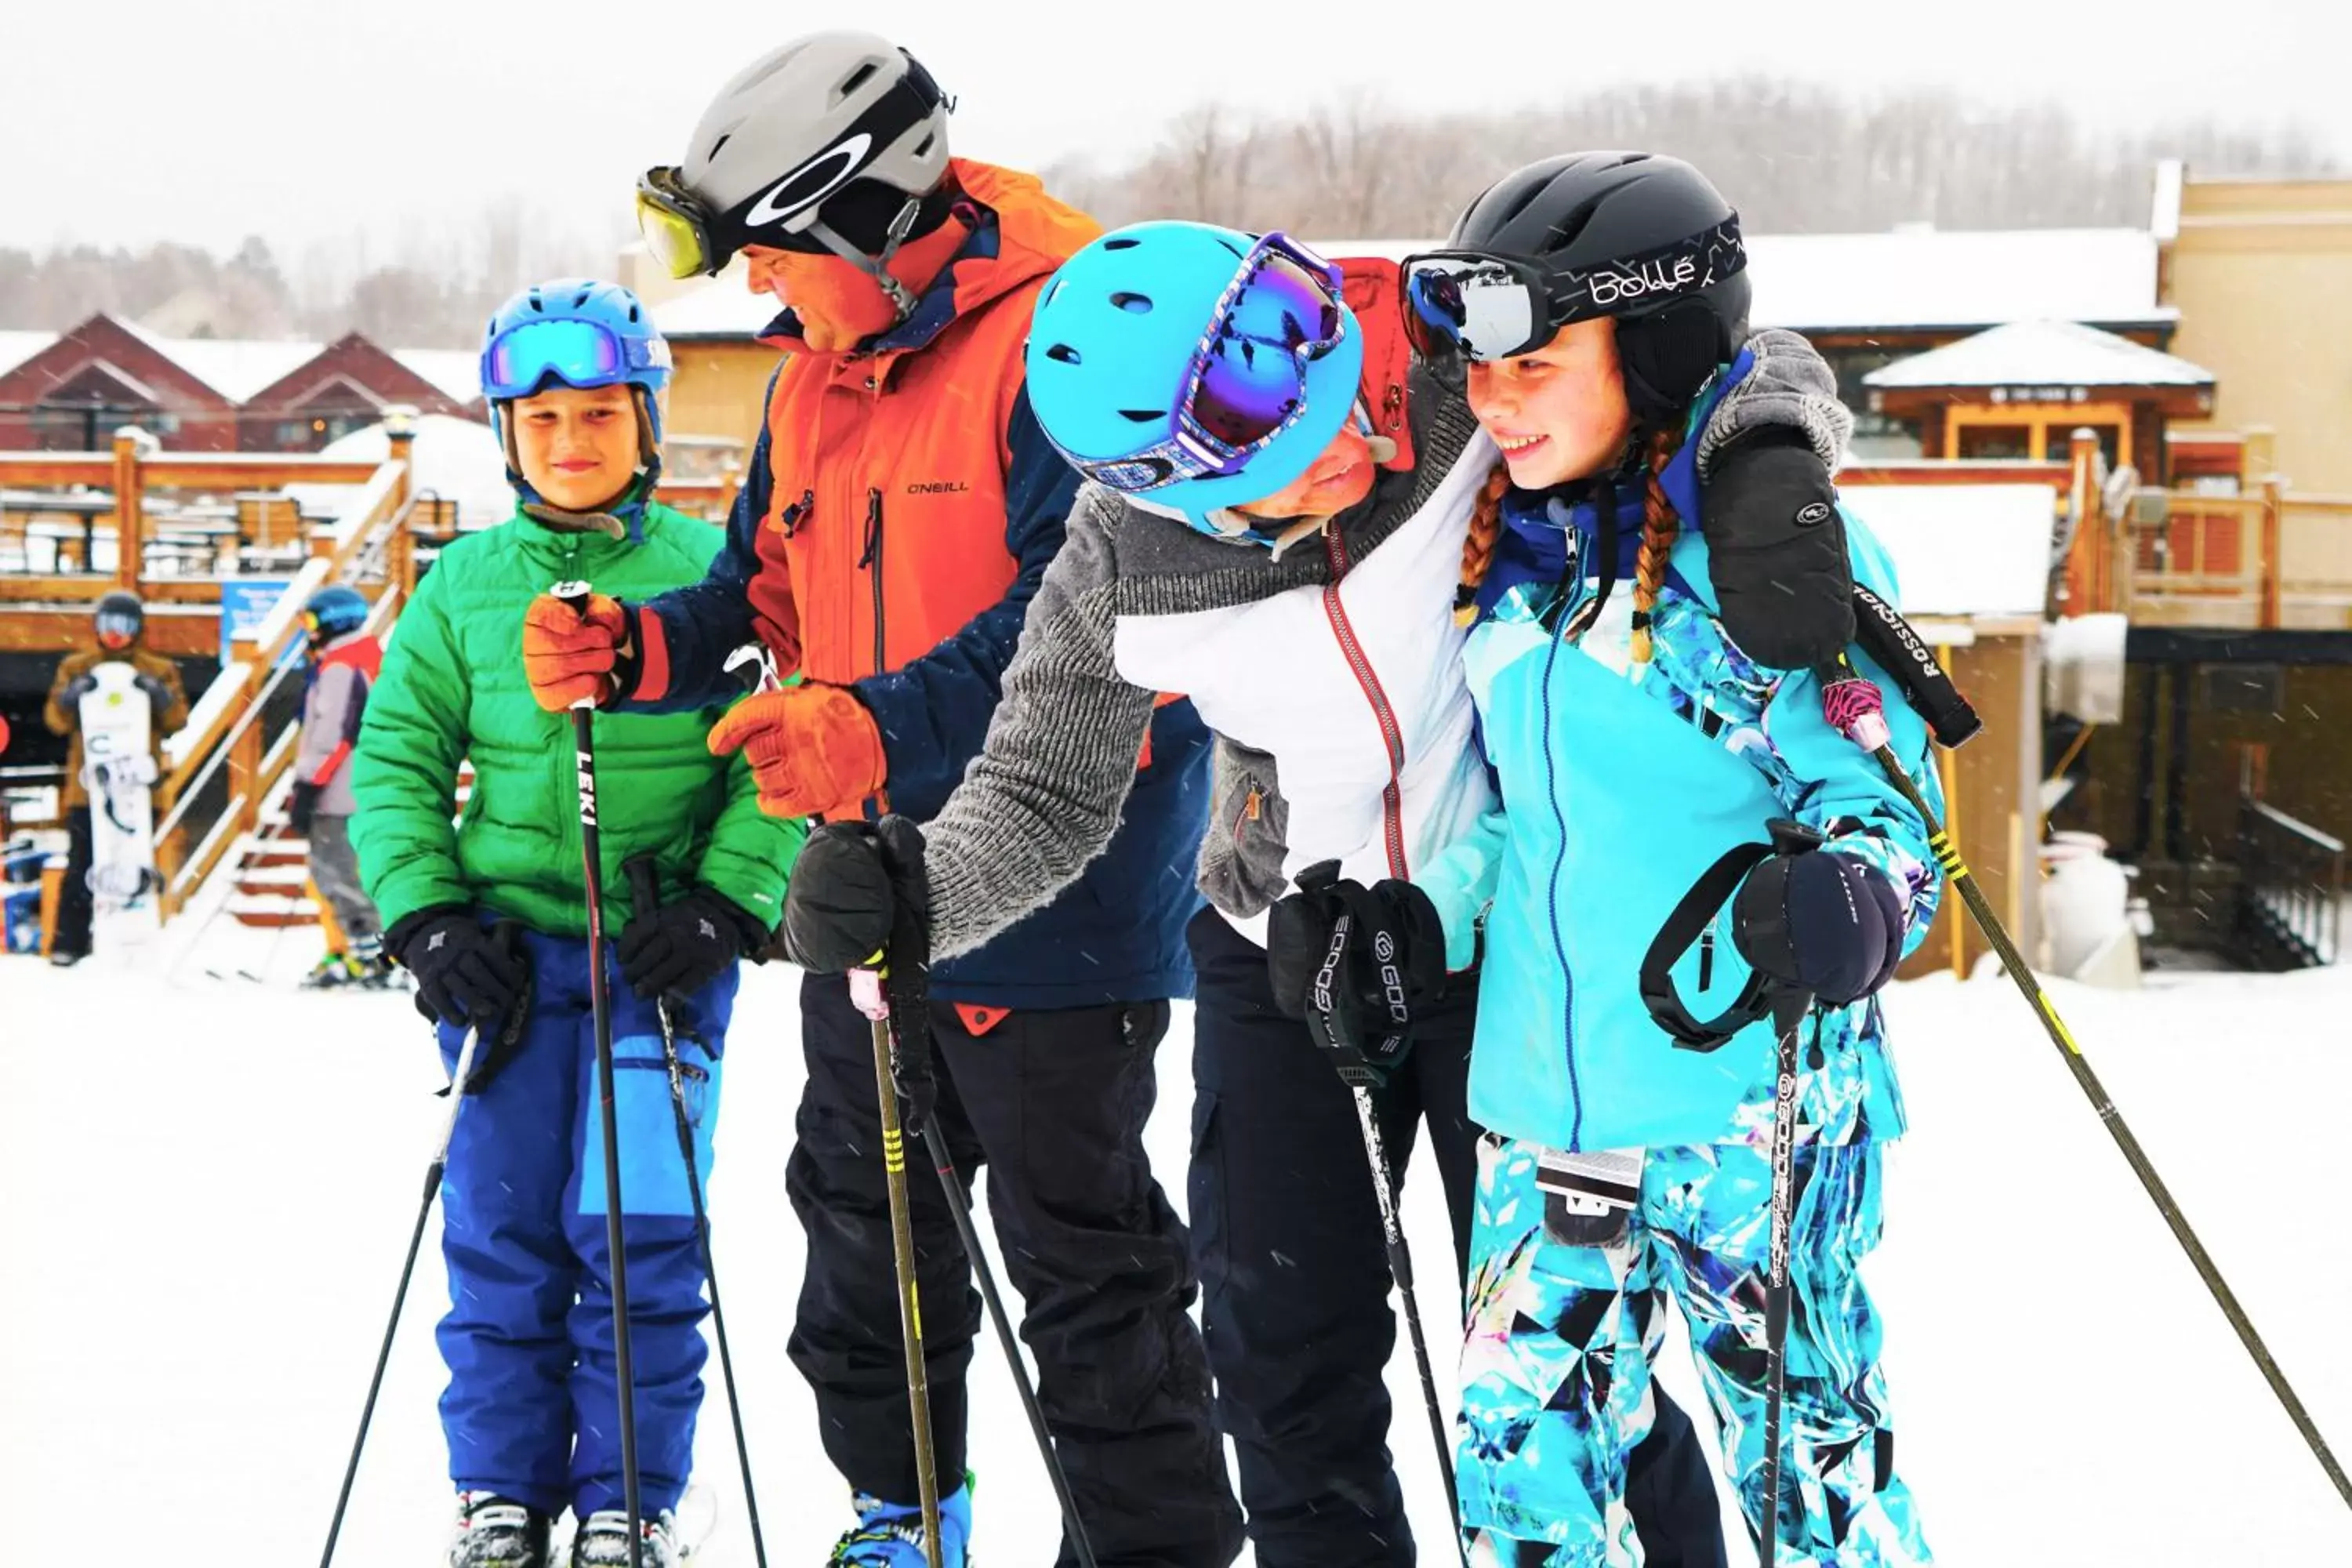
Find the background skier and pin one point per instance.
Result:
(118, 624)
(345, 661)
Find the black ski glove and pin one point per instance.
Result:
(1776, 551)
(675, 950)
(159, 696)
(1820, 920)
(79, 687)
(858, 892)
(848, 890)
(302, 806)
(1357, 964)
(463, 978)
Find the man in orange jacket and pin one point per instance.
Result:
(901, 508)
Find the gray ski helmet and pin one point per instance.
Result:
(802, 126)
(1635, 235)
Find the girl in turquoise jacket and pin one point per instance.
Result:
(1642, 899)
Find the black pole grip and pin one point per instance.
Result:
(1887, 637)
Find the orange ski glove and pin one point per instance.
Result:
(814, 750)
(570, 654)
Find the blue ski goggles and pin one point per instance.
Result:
(575, 352)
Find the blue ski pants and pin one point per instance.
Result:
(531, 1409)
(1556, 1387)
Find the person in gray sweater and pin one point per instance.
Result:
(1304, 598)
(344, 660)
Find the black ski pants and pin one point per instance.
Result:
(75, 904)
(1295, 1279)
(1052, 1104)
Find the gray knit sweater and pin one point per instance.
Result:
(1044, 798)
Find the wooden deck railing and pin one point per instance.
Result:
(2265, 558)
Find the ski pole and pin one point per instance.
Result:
(1854, 708)
(511, 1028)
(960, 1207)
(644, 888)
(866, 992)
(599, 1006)
(1401, 1270)
(1789, 1016)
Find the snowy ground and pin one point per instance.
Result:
(208, 1182)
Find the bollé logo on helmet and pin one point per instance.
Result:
(811, 182)
(1644, 277)
(1813, 514)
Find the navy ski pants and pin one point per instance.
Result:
(531, 1409)
(1295, 1277)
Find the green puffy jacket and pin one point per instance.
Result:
(453, 689)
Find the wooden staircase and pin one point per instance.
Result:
(270, 865)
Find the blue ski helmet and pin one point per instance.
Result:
(575, 331)
(1112, 348)
(335, 610)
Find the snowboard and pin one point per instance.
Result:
(118, 773)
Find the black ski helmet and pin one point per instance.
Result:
(1638, 237)
(120, 612)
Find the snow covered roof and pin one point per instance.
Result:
(456, 458)
(457, 372)
(722, 308)
(237, 368)
(15, 348)
(2041, 354)
(1920, 277)
(1963, 550)
(1954, 278)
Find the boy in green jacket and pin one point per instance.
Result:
(490, 915)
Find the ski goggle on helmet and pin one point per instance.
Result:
(1245, 383)
(1486, 305)
(522, 360)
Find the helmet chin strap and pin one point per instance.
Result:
(902, 299)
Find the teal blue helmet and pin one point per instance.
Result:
(1192, 367)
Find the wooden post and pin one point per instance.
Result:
(2257, 456)
(400, 427)
(2086, 560)
(2273, 575)
(400, 551)
(130, 532)
(245, 754)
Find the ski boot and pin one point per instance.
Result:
(371, 970)
(603, 1541)
(498, 1532)
(890, 1535)
(331, 972)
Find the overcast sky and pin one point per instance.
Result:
(306, 121)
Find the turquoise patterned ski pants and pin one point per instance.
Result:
(1556, 1367)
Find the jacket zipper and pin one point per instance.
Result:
(872, 562)
(1392, 796)
(797, 513)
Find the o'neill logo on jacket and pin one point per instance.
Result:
(937, 488)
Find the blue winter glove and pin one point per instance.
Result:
(1825, 922)
(157, 695)
(79, 687)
